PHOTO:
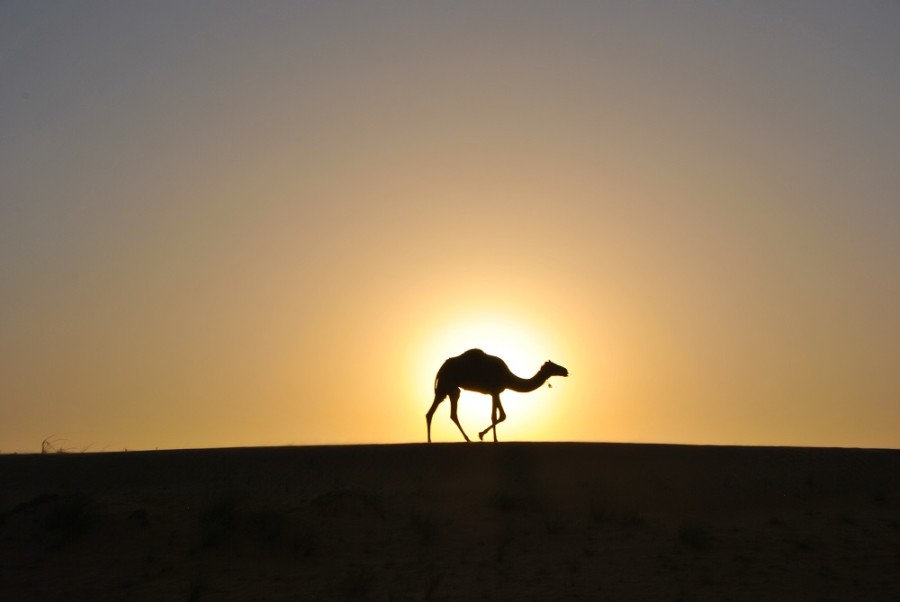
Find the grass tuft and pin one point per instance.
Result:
(503, 502)
(218, 522)
(70, 516)
(695, 537)
(358, 582)
(425, 527)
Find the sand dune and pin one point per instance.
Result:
(452, 521)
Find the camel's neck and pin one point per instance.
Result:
(525, 385)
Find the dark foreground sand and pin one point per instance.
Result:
(452, 521)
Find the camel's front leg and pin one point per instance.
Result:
(497, 416)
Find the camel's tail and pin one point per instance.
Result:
(437, 382)
(437, 379)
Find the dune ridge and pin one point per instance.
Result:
(452, 521)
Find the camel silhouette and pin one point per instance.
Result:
(475, 370)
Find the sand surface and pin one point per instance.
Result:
(452, 521)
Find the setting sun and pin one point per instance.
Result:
(521, 347)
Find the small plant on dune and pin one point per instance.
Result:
(846, 519)
(268, 528)
(340, 499)
(599, 512)
(880, 496)
(217, 522)
(554, 525)
(502, 501)
(228, 523)
(425, 527)
(305, 540)
(432, 585)
(695, 537)
(503, 541)
(197, 587)
(632, 519)
(357, 582)
(806, 543)
(70, 516)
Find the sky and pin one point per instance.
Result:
(269, 223)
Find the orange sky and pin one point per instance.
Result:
(230, 224)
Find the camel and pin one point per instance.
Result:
(475, 370)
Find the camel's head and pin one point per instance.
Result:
(551, 369)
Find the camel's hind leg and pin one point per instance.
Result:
(438, 398)
(498, 415)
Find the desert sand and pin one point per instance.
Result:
(452, 521)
